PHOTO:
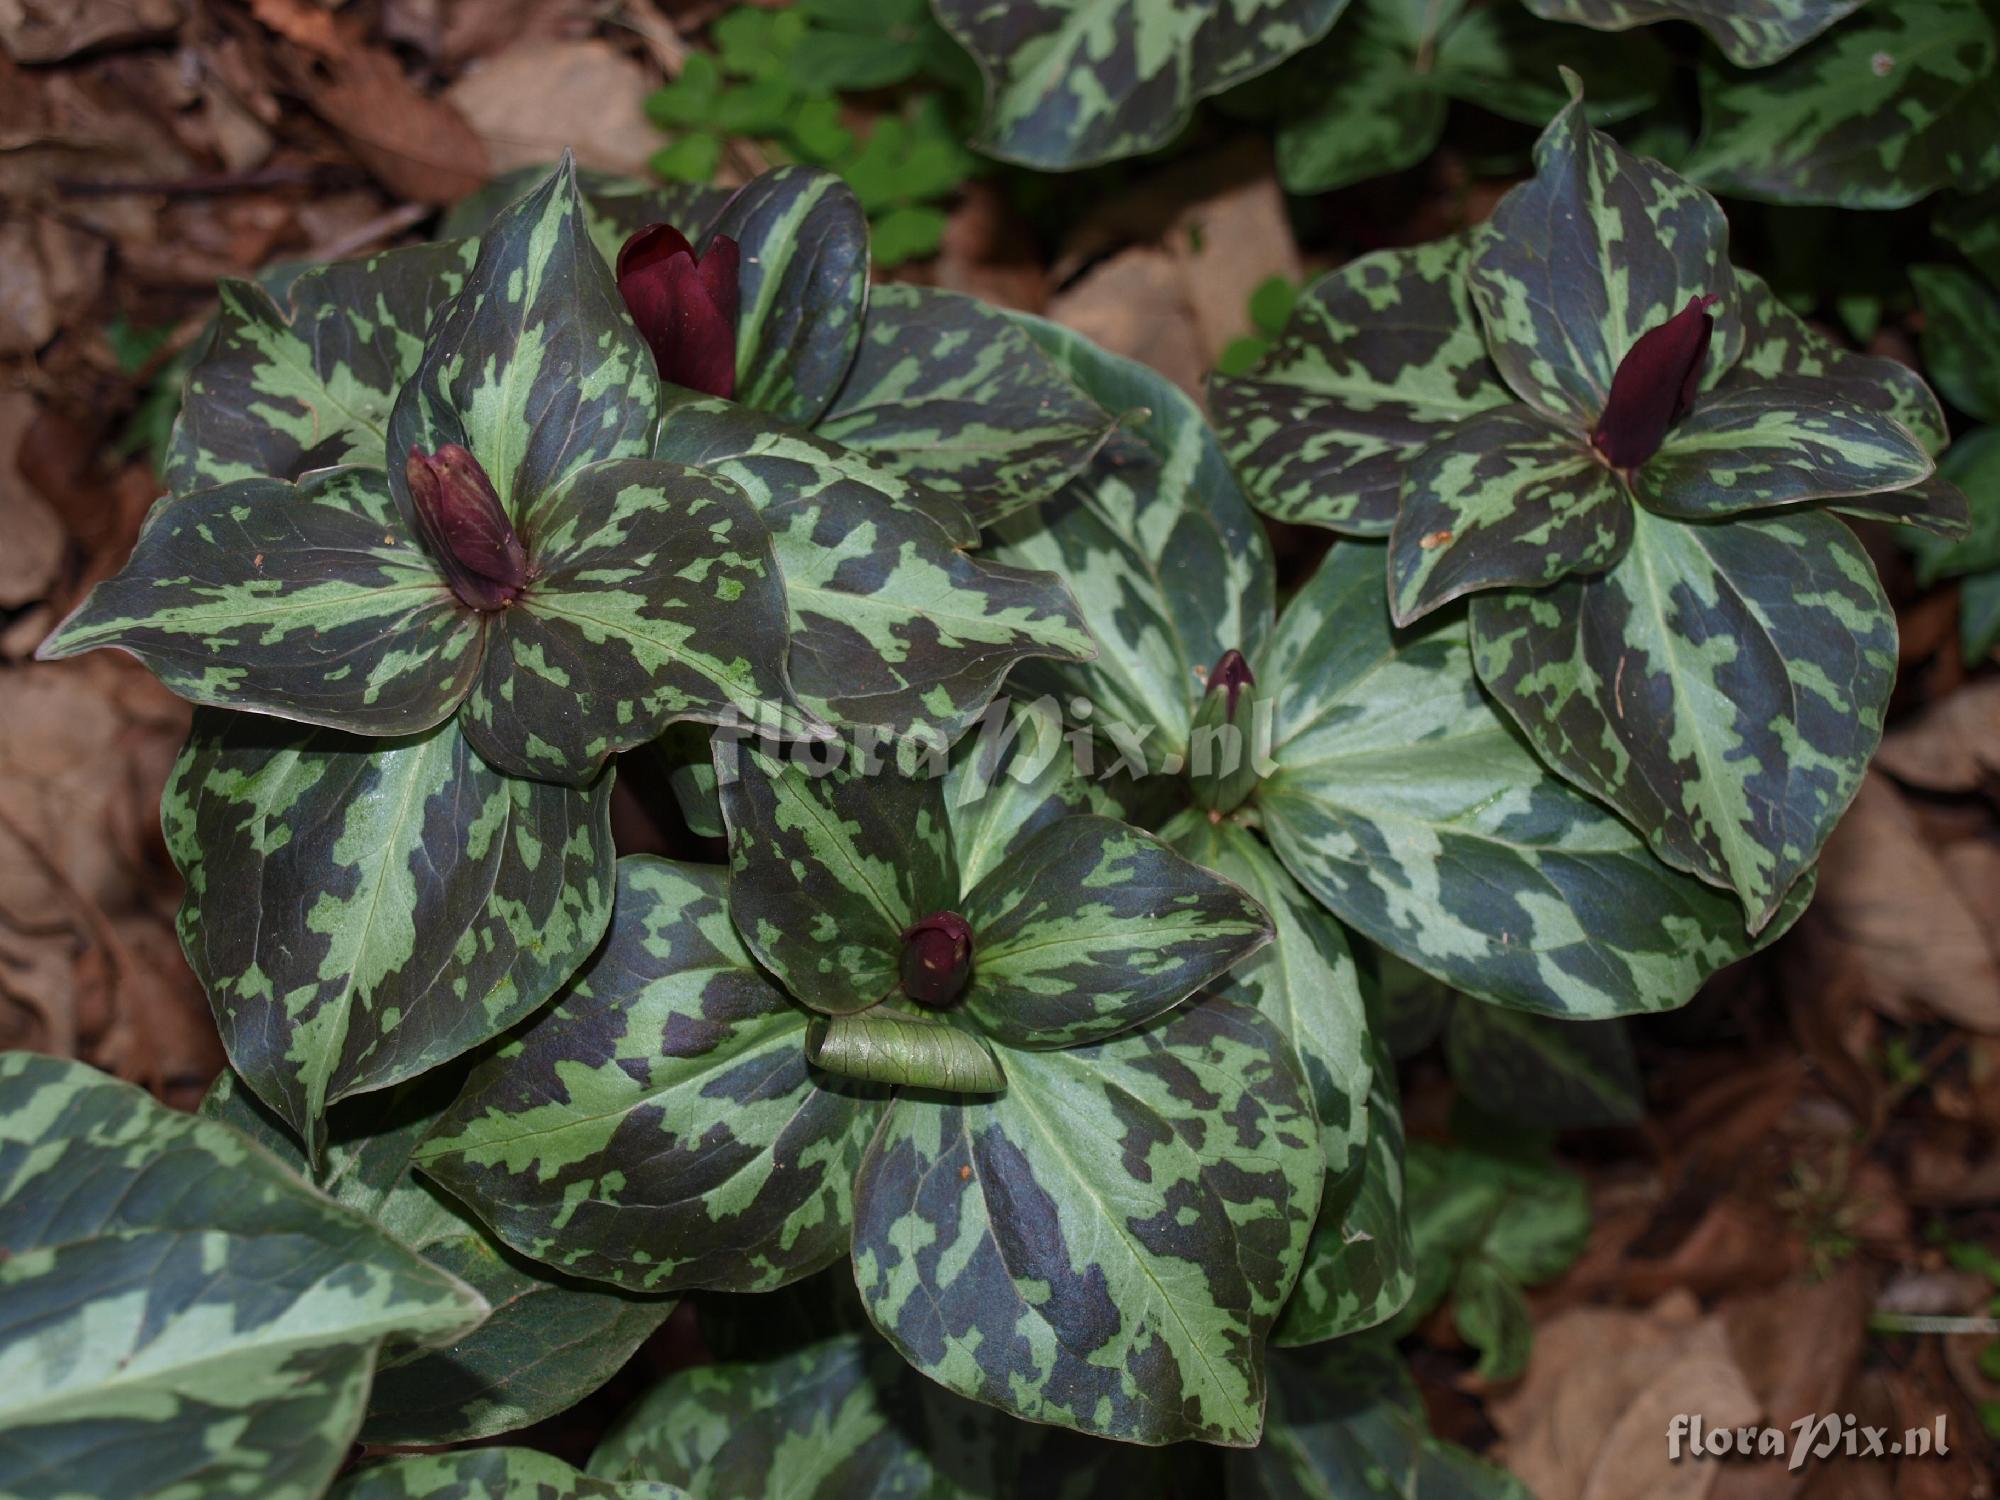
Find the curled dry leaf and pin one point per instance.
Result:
(1953, 745)
(530, 102)
(1135, 304)
(1891, 908)
(39, 31)
(1602, 1386)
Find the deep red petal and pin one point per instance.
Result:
(697, 347)
(720, 264)
(1653, 385)
(649, 247)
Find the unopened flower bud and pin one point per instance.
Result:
(465, 527)
(1654, 385)
(937, 958)
(685, 305)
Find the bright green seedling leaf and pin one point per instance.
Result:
(954, 395)
(1092, 928)
(1751, 35)
(534, 366)
(1072, 84)
(1373, 98)
(1348, 1421)
(658, 1127)
(1155, 537)
(893, 622)
(490, 1474)
(1486, 1225)
(692, 159)
(658, 597)
(847, 1417)
(550, 1341)
(829, 868)
(1961, 333)
(179, 1314)
(1094, 1248)
(310, 602)
(1880, 112)
(1360, 1266)
(1564, 1075)
(804, 287)
(1380, 358)
(361, 911)
(1408, 807)
(1722, 687)
(1504, 498)
(1632, 243)
(306, 380)
(1306, 981)
(885, 1045)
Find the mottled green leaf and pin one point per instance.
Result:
(180, 1315)
(1778, 345)
(1350, 1423)
(658, 1126)
(549, 1342)
(1594, 250)
(1157, 541)
(1563, 1075)
(1409, 808)
(1754, 445)
(1071, 83)
(1961, 337)
(885, 1045)
(893, 622)
(1488, 1222)
(535, 365)
(953, 394)
(1722, 688)
(1504, 498)
(829, 867)
(489, 1474)
(657, 598)
(1750, 33)
(1006, 787)
(1894, 104)
(1361, 107)
(615, 207)
(847, 1418)
(1091, 928)
(1360, 1266)
(306, 379)
(1306, 981)
(360, 911)
(804, 287)
(1095, 1248)
(1380, 358)
(310, 602)
(1372, 98)
(1972, 223)
(1973, 462)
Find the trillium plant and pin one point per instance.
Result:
(1024, 1051)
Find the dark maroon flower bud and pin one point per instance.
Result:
(1232, 674)
(937, 958)
(684, 304)
(465, 528)
(1654, 385)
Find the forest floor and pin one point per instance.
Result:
(1820, 1161)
